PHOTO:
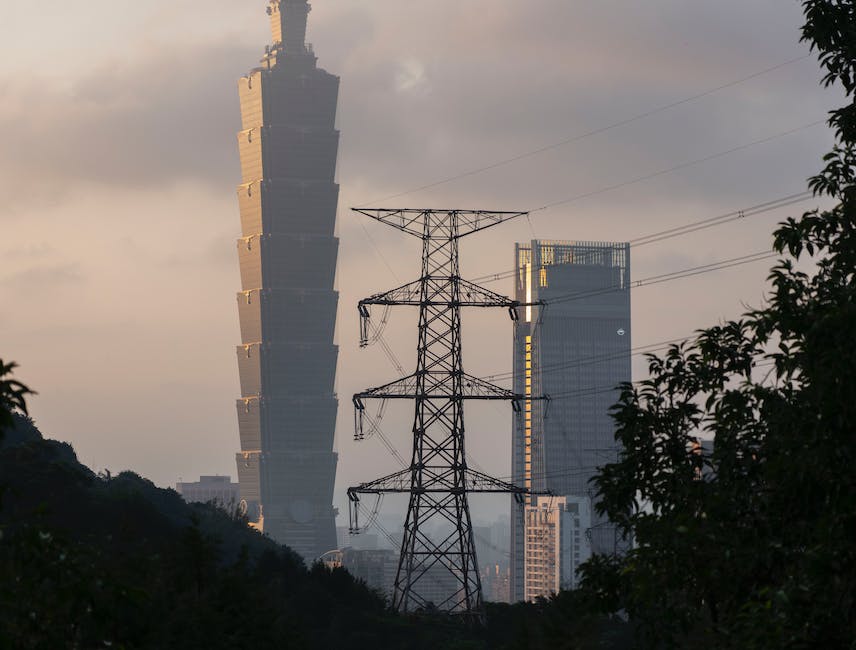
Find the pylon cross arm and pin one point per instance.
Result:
(436, 294)
(475, 388)
(412, 220)
(471, 387)
(473, 482)
(396, 482)
(404, 388)
(473, 295)
(484, 483)
(407, 294)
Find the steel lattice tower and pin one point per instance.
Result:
(438, 566)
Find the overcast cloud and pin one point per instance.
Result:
(118, 168)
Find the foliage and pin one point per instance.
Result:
(751, 546)
(12, 395)
(96, 561)
(567, 621)
(113, 561)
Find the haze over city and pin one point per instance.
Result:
(119, 166)
(479, 325)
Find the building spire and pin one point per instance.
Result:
(288, 24)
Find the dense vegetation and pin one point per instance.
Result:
(98, 561)
(753, 546)
(92, 561)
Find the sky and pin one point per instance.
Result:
(118, 169)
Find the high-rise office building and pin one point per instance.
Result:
(287, 308)
(576, 350)
(555, 544)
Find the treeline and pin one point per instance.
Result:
(99, 561)
(754, 545)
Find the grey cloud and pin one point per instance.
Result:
(429, 89)
(43, 278)
(143, 123)
(29, 252)
(476, 83)
(519, 76)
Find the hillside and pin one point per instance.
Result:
(92, 561)
(99, 561)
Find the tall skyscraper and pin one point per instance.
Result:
(576, 350)
(287, 309)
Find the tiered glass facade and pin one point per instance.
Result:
(287, 360)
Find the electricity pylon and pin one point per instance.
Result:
(438, 567)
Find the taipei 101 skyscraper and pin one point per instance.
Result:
(287, 308)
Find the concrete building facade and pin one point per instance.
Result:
(556, 544)
(287, 307)
(211, 489)
(576, 350)
(375, 567)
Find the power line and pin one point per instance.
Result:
(674, 275)
(599, 390)
(729, 217)
(644, 349)
(588, 134)
(652, 280)
(684, 165)
(569, 473)
(691, 227)
(586, 361)
(378, 251)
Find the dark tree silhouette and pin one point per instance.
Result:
(12, 395)
(753, 546)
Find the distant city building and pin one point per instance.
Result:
(363, 541)
(211, 489)
(576, 350)
(492, 552)
(376, 567)
(556, 544)
(496, 583)
(705, 449)
(287, 307)
(439, 587)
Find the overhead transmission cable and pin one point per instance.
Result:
(592, 133)
(601, 130)
(674, 275)
(678, 231)
(588, 134)
(651, 239)
(644, 349)
(645, 177)
(656, 279)
(585, 361)
(683, 165)
(729, 217)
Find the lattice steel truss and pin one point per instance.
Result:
(437, 567)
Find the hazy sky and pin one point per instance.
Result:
(118, 167)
